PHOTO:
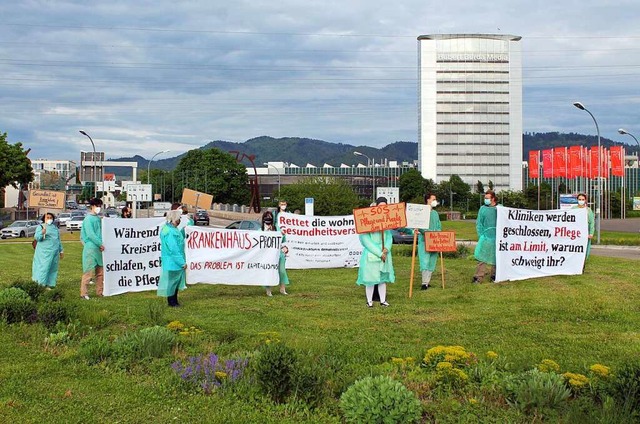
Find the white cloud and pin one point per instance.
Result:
(145, 76)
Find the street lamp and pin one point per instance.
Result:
(373, 164)
(95, 174)
(277, 170)
(599, 172)
(149, 164)
(623, 131)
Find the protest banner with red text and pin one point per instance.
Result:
(533, 244)
(320, 241)
(380, 217)
(233, 257)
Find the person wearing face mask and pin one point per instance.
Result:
(46, 258)
(376, 264)
(428, 260)
(485, 252)
(185, 219)
(174, 263)
(269, 224)
(591, 221)
(91, 237)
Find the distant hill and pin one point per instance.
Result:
(318, 152)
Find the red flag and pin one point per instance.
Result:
(617, 161)
(534, 163)
(596, 171)
(606, 169)
(585, 162)
(547, 163)
(560, 162)
(574, 169)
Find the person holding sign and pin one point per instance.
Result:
(485, 252)
(48, 253)
(174, 263)
(91, 237)
(582, 203)
(376, 264)
(428, 260)
(268, 224)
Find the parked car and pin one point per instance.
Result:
(20, 229)
(71, 204)
(75, 223)
(401, 238)
(63, 218)
(244, 225)
(201, 217)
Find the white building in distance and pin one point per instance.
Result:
(470, 109)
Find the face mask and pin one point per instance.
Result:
(434, 203)
(97, 209)
(487, 202)
(268, 222)
(49, 221)
(581, 202)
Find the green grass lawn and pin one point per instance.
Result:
(576, 321)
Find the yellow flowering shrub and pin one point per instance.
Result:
(548, 365)
(220, 375)
(456, 355)
(175, 326)
(270, 337)
(448, 374)
(600, 370)
(491, 355)
(576, 381)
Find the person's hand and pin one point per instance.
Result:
(44, 230)
(61, 255)
(590, 236)
(416, 231)
(285, 250)
(102, 248)
(184, 266)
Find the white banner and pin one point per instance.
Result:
(131, 254)
(418, 216)
(533, 244)
(320, 241)
(234, 257)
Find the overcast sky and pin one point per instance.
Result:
(144, 76)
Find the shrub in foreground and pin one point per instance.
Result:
(15, 305)
(152, 342)
(208, 372)
(380, 400)
(51, 313)
(537, 392)
(274, 368)
(33, 289)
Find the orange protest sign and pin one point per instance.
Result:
(440, 241)
(46, 199)
(379, 218)
(196, 199)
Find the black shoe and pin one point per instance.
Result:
(476, 280)
(424, 287)
(369, 304)
(385, 304)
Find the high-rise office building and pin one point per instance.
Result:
(470, 113)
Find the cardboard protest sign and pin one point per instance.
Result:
(379, 218)
(418, 216)
(440, 241)
(196, 199)
(320, 241)
(533, 244)
(234, 257)
(131, 254)
(46, 199)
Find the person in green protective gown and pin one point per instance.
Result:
(174, 264)
(91, 237)
(591, 221)
(46, 258)
(376, 264)
(485, 252)
(428, 260)
(270, 224)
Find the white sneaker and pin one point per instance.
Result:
(85, 297)
(284, 292)
(269, 293)
(91, 282)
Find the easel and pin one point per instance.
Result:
(434, 241)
